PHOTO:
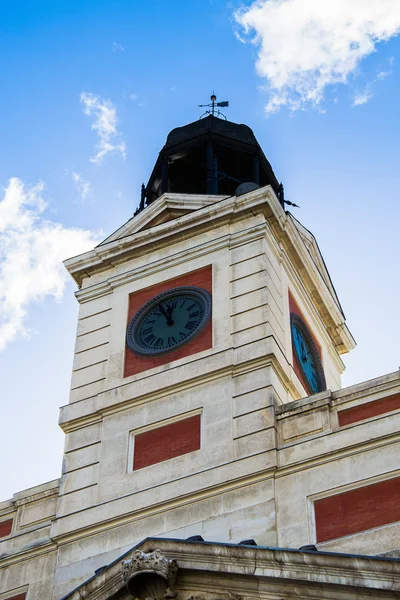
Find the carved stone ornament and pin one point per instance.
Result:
(150, 575)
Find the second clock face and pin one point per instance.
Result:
(169, 320)
(307, 355)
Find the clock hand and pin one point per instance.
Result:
(303, 352)
(166, 314)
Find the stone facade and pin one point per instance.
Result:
(268, 452)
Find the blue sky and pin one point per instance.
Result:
(317, 82)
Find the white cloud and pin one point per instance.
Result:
(31, 253)
(84, 187)
(366, 95)
(306, 45)
(117, 47)
(362, 98)
(105, 124)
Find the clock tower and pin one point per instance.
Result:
(210, 451)
(199, 318)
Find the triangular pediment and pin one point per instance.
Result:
(123, 579)
(166, 208)
(313, 249)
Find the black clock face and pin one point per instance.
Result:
(307, 355)
(168, 321)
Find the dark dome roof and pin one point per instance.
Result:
(234, 131)
(209, 156)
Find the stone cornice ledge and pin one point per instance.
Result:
(220, 563)
(125, 400)
(389, 383)
(319, 567)
(231, 240)
(101, 256)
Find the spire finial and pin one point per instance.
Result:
(214, 104)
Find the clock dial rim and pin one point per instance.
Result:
(297, 322)
(136, 321)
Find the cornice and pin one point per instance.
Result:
(227, 570)
(280, 563)
(234, 370)
(317, 289)
(281, 233)
(28, 553)
(159, 507)
(105, 255)
(333, 455)
(222, 488)
(229, 240)
(188, 202)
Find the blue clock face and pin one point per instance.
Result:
(306, 355)
(169, 320)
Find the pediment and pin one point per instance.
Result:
(313, 249)
(136, 574)
(166, 208)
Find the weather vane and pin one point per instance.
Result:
(213, 104)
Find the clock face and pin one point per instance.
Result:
(168, 320)
(306, 355)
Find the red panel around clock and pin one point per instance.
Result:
(295, 310)
(134, 363)
(357, 510)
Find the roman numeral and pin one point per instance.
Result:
(172, 303)
(194, 314)
(148, 330)
(192, 306)
(183, 304)
(150, 339)
(158, 343)
(191, 325)
(183, 335)
(171, 340)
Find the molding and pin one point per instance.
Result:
(385, 384)
(103, 256)
(278, 563)
(187, 202)
(333, 455)
(225, 241)
(278, 226)
(160, 507)
(48, 546)
(235, 370)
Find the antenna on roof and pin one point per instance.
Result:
(212, 105)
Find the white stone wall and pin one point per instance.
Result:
(225, 490)
(318, 459)
(262, 459)
(28, 555)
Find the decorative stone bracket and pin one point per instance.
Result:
(150, 576)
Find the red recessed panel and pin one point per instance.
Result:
(357, 510)
(368, 410)
(5, 528)
(19, 597)
(136, 364)
(166, 442)
(295, 310)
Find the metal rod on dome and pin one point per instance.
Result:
(212, 105)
